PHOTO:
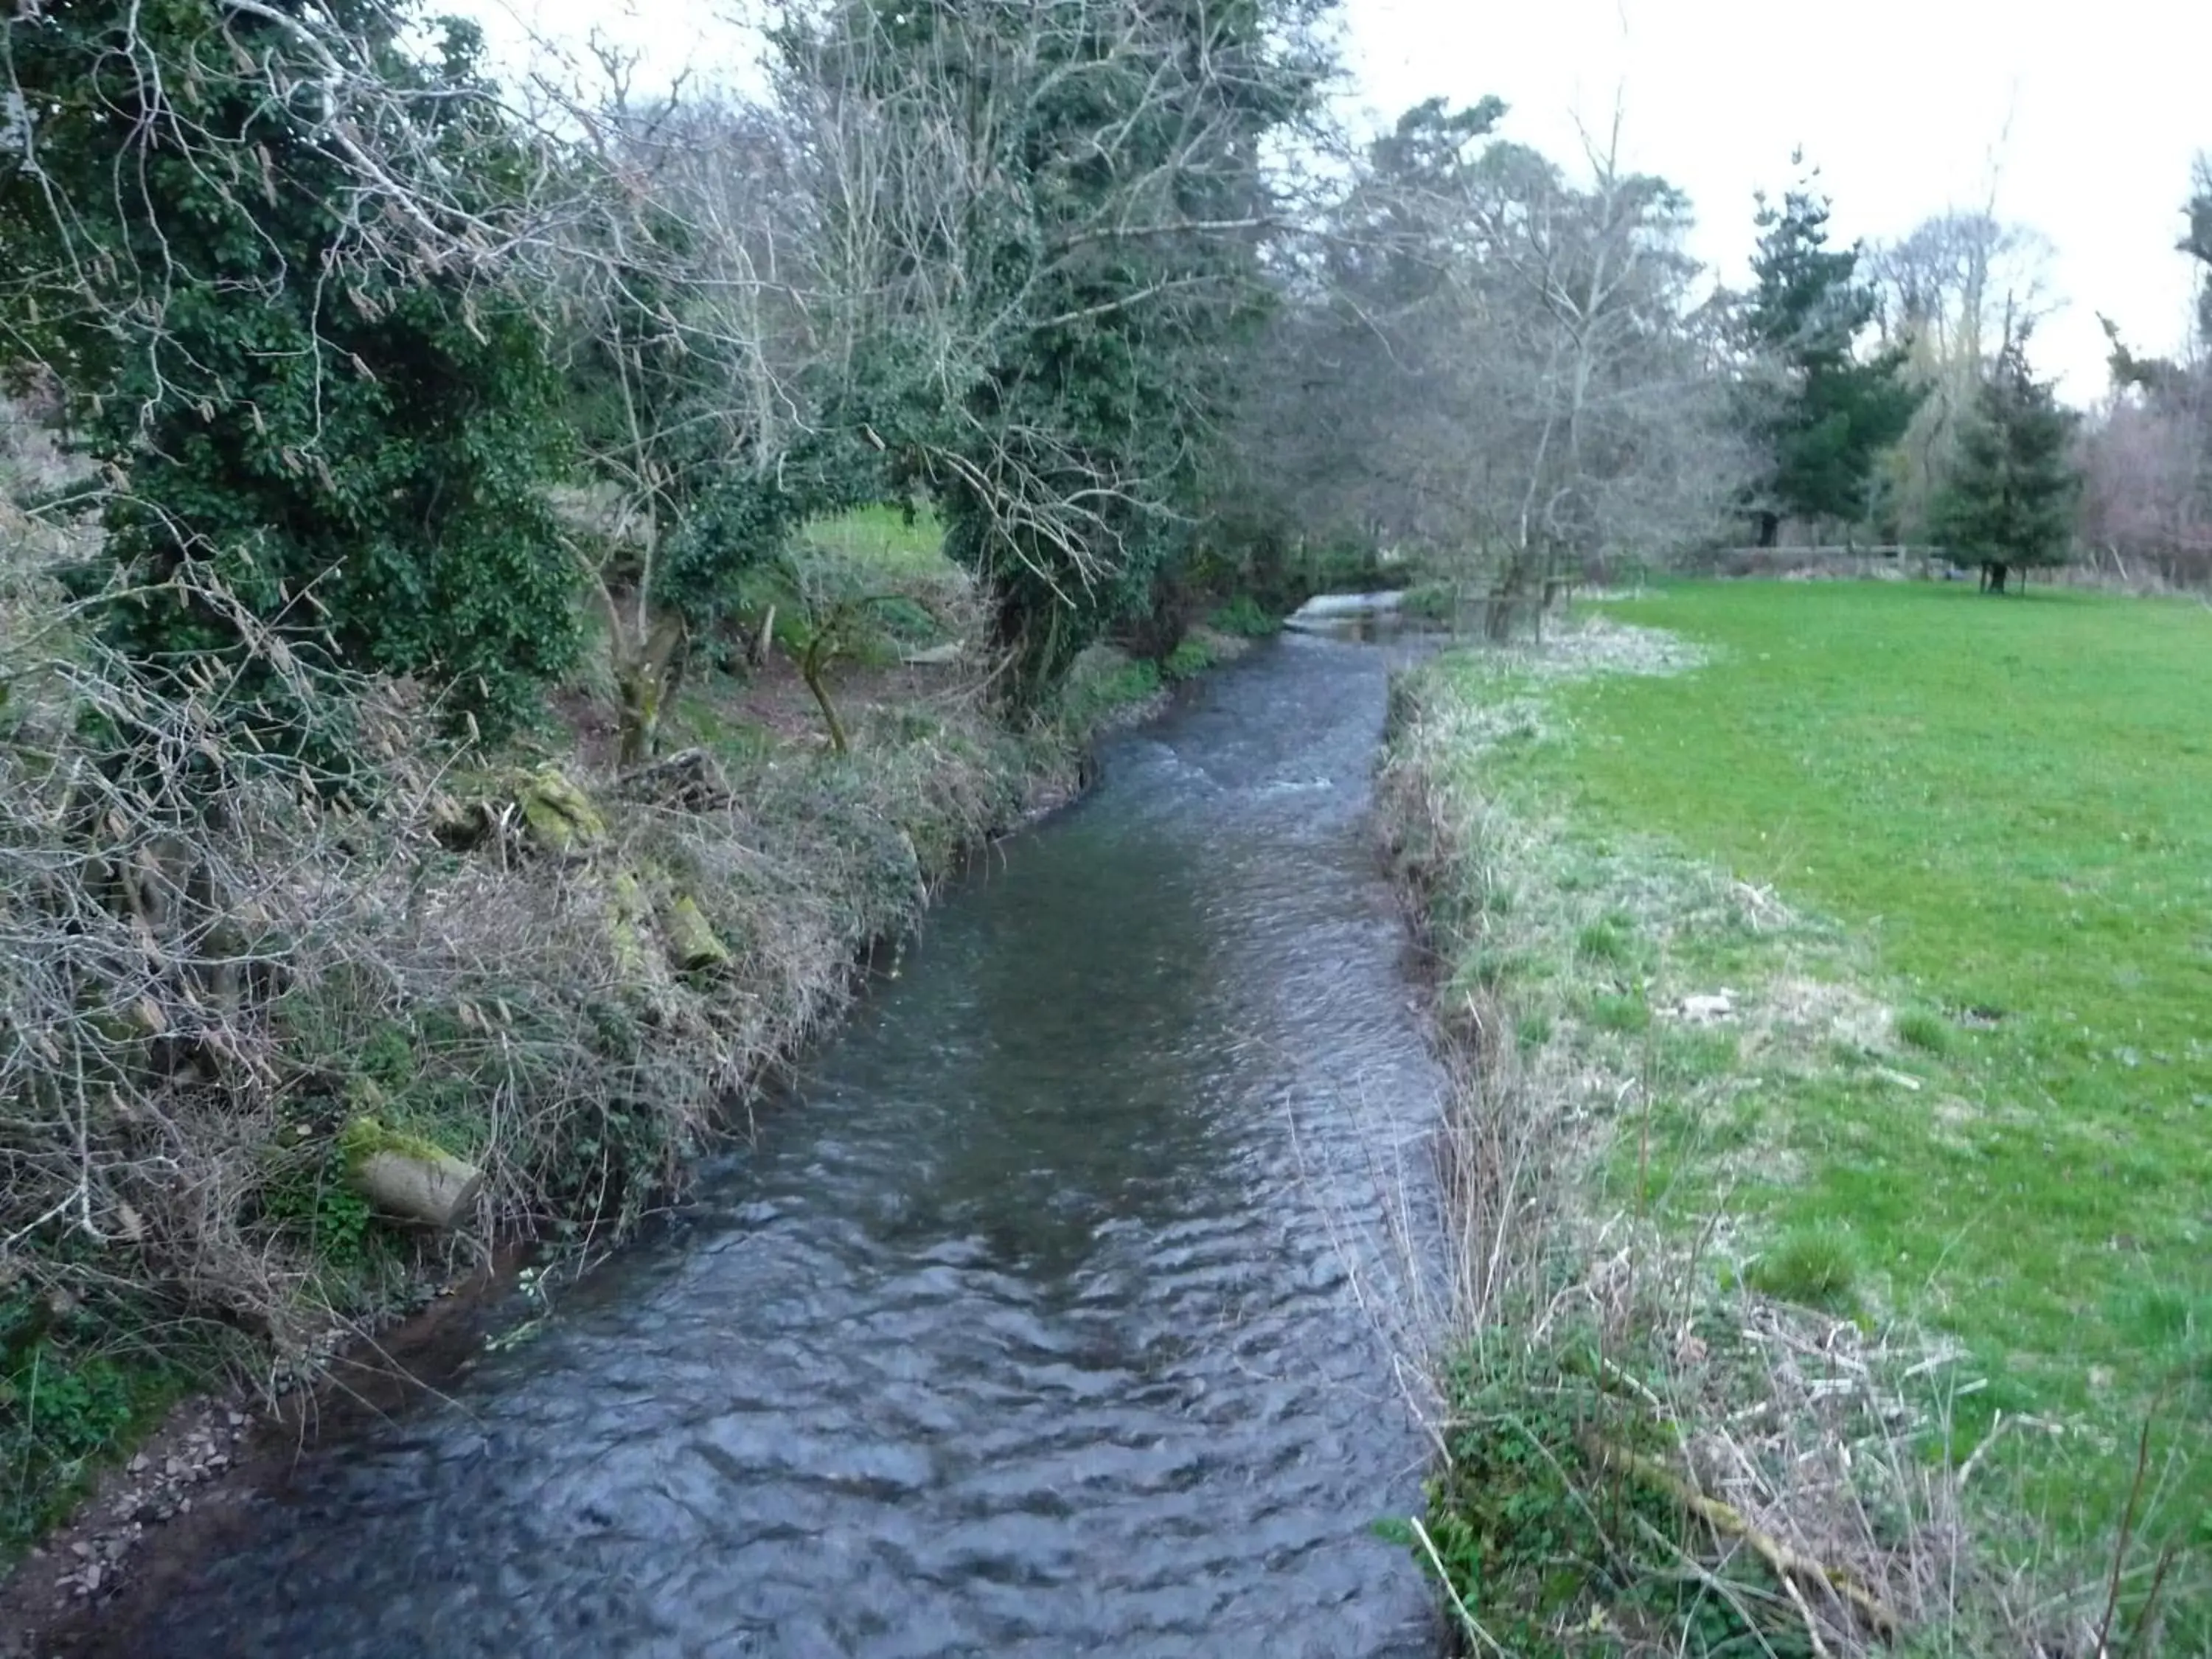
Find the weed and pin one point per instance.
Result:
(1244, 618)
(1628, 1013)
(1603, 942)
(1190, 659)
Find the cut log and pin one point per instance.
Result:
(409, 1178)
(934, 656)
(692, 946)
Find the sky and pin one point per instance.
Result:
(2083, 120)
(2081, 123)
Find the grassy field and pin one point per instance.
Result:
(882, 537)
(1974, 838)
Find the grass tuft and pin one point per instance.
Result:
(1918, 1028)
(1813, 1268)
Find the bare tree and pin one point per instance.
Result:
(1511, 369)
(2147, 455)
(1953, 291)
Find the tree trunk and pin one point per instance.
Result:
(1993, 575)
(648, 678)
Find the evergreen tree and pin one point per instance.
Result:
(2009, 502)
(248, 241)
(1835, 413)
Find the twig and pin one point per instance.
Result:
(1473, 1626)
(1726, 1518)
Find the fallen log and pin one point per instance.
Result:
(409, 1178)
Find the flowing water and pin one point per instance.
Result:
(1045, 1320)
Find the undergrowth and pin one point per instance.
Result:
(214, 982)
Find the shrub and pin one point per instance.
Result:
(1243, 618)
(343, 428)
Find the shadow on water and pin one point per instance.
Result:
(1035, 1326)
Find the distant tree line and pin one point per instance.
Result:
(337, 318)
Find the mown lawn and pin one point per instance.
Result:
(2010, 802)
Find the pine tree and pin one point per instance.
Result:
(1837, 412)
(2009, 503)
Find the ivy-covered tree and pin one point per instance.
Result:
(259, 244)
(1063, 211)
(1834, 413)
(2008, 504)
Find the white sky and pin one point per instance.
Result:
(2088, 118)
(2085, 119)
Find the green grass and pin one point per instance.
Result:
(1104, 685)
(883, 537)
(2006, 807)
(1817, 1267)
(1926, 1031)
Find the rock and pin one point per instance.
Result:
(138, 1464)
(1706, 1009)
(91, 1579)
(81, 1549)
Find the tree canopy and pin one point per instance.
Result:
(250, 239)
(1833, 411)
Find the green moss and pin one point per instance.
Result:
(559, 816)
(692, 946)
(365, 1137)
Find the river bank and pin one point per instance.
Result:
(1714, 1421)
(575, 978)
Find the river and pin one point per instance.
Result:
(1052, 1314)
